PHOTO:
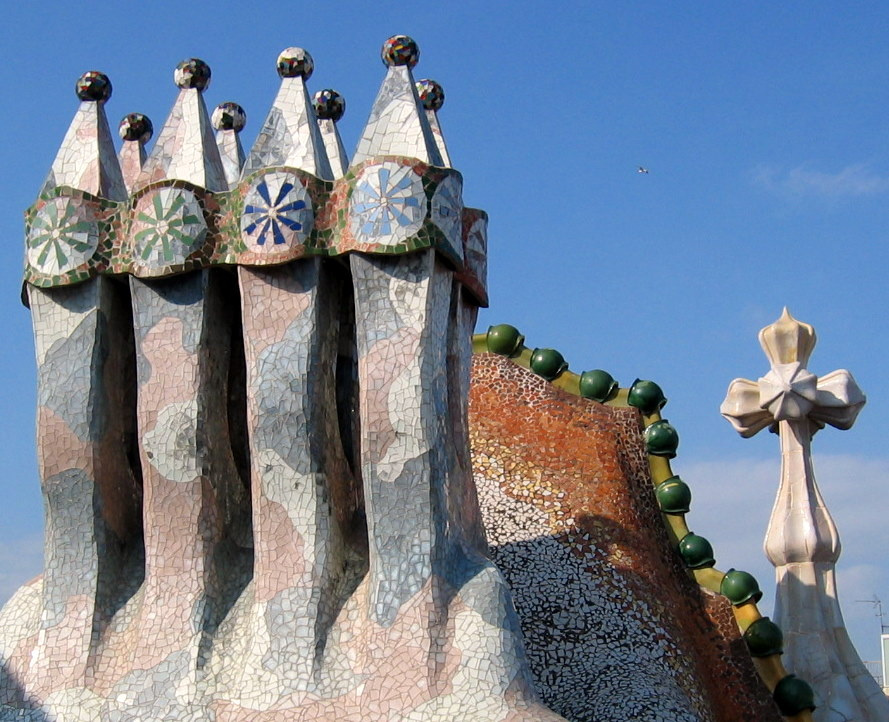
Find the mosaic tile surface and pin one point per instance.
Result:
(86, 158)
(398, 124)
(330, 106)
(92, 498)
(135, 130)
(387, 204)
(395, 205)
(64, 234)
(290, 135)
(474, 275)
(305, 499)
(277, 212)
(254, 447)
(229, 120)
(613, 627)
(432, 96)
(168, 226)
(185, 148)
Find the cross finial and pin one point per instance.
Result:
(789, 391)
(802, 541)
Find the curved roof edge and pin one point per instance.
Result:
(793, 696)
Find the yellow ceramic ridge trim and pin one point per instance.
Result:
(479, 343)
(771, 669)
(567, 380)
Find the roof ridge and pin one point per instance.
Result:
(764, 638)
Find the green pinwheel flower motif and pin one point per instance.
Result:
(62, 236)
(169, 226)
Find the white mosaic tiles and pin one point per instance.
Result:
(185, 148)
(229, 120)
(328, 399)
(329, 108)
(397, 124)
(86, 159)
(290, 135)
(260, 500)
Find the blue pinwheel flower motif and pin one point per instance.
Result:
(62, 236)
(277, 213)
(388, 204)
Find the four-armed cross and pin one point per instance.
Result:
(802, 540)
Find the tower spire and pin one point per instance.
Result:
(185, 148)
(229, 120)
(802, 540)
(135, 131)
(290, 134)
(397, 124)
(330, 107)
(86, 160)
(432, 97)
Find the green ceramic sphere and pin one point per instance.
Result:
(646, 396)
(597, 385)
(696, 551)
(740, 587)
(673, 496)
(764, 638)
(504, 339)
(547, 362)
(661, 439)
(793, 695)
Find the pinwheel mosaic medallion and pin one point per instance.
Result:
(169, 226)
(388, 204)
(277, 213)
(63, 235)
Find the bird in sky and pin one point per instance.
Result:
(642, 169)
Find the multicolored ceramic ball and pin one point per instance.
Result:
(400, 50)
(229, 116)
(136, 126)
(192, 73)
(431, 94)
(329, 104)
(93, 86)
(294, 63)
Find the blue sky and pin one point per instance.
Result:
(764, 129)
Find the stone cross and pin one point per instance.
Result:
(802, 540)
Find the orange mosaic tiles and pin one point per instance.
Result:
(565, 494)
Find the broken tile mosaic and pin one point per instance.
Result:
(279, 486)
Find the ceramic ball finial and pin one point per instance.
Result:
(93, 86)
(229, 116)
(192, 73)
(400, 50)
(135, 126)
(329, 105)
(295, 62)
(431, 94)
